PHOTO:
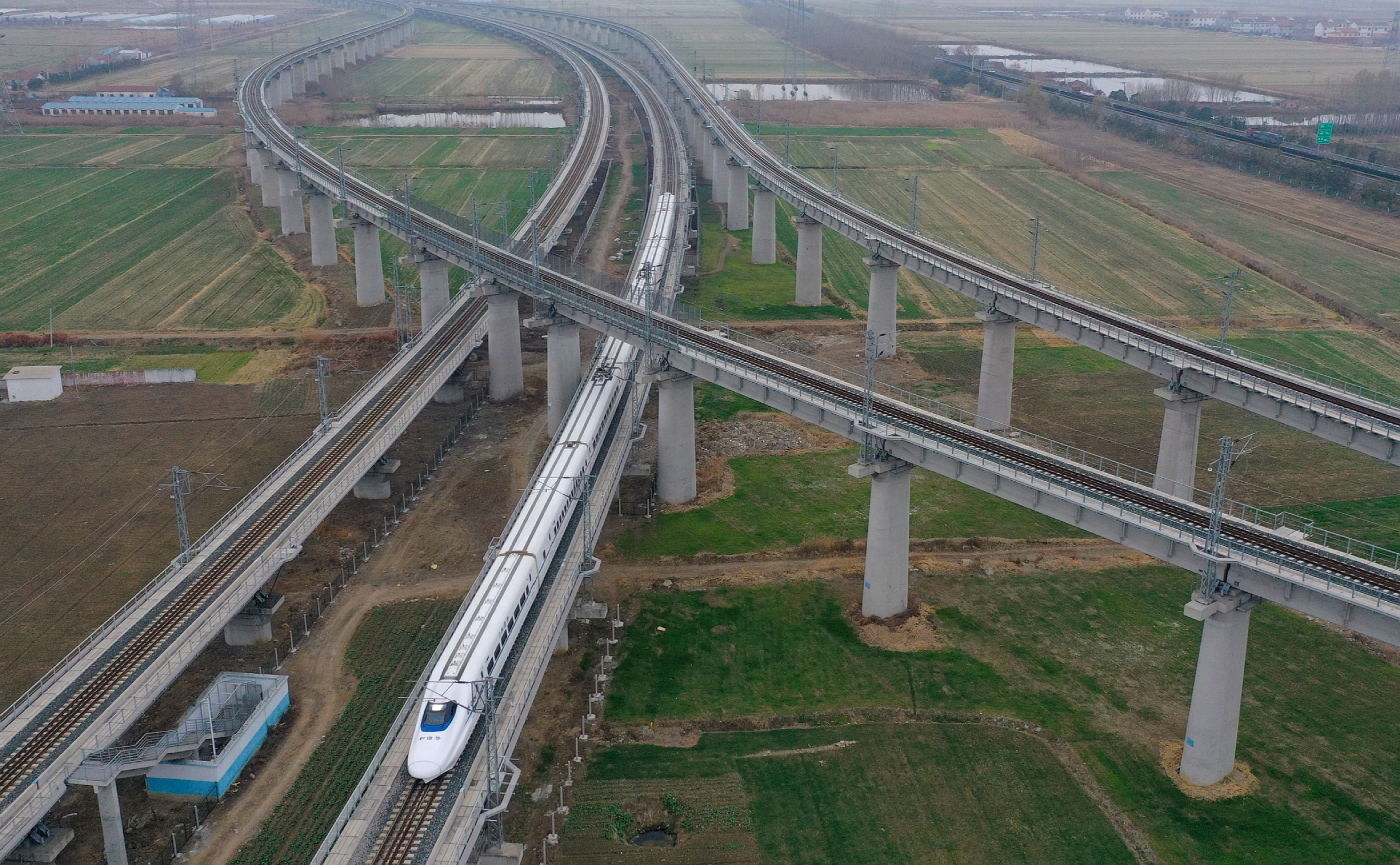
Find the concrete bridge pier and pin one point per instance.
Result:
(313, 69)
(563, 365)
(507, 371)
(293, 213)
(435, 292)
(254, 156)
(675, 435)
(719, 173)
(1181, 432)
(113, 835)
(886, 591)
(998, 369)
(809, 261)
(322, 209)
(880, 314)
(337, 58)
(765, 229)
(1213, 725)
(299, 78)
(284, 78)
(737, 216)
(271, 184)
(369, 266)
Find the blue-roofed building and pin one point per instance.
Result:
(179, 106)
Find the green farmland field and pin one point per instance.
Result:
(898, 793)
(147, 248)
(122, 150)
(978, 194)
(1368, 281)
(1102, 659)
(784, 501)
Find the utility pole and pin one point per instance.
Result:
(1035, 246)
(835, 169)
(50, 327)
(181, 487)
(914, 206)
(1229, 305)
(869, 453)
(505, 217)
(340, 164)
(180, 491)
(787, 143)
(323, 371)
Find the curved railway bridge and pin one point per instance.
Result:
(90, 698)
(1258, 555)
(1335, 410)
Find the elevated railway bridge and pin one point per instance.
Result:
(87, 701)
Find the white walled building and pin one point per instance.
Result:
(34, 383)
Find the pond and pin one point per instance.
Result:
(862, 91)
(1102, 77)
(654, 838)
(466, 120)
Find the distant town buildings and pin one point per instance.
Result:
(131, 99)
(1345, 32)
(1351, 32)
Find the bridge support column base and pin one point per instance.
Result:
(564, 369)
(369, 267)
(323, 250)
(270, 184)
(433, 279)
(1213, 725)
(998, 369)
(1181, 432)
(293, 212)
(507, 373)
(675, 435)
(765, 235)
(373, 486)
(506, 854)
(249, 630)
(880, 314)
(254, 157)
(451, 393)
(809, 262)
(561, 642)
(719, 174)
(113, 837)
(737, 215)
(886, 590)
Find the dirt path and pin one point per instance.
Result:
(990, 557)
(602, 247)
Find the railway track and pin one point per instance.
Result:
(409, 830)
(29, 749)
(1189, 516)
(1380, 415)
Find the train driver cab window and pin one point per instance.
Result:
(438, 716)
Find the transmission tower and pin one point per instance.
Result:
(403, 310)
(8, 116)
(1392, 47)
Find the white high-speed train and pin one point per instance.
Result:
(485, 635)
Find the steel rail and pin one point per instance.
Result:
(1380, 416)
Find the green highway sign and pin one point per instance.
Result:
(1324, 133)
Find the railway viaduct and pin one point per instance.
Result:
(1261, 555)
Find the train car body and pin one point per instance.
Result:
(487, 632)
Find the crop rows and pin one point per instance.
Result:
(391, 645)
(541, 149)
(41, 149)
(143, 248)
(418, 79)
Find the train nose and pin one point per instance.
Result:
(425, 770)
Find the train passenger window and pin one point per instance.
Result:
(438, 716)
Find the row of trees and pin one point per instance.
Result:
(854, 44)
